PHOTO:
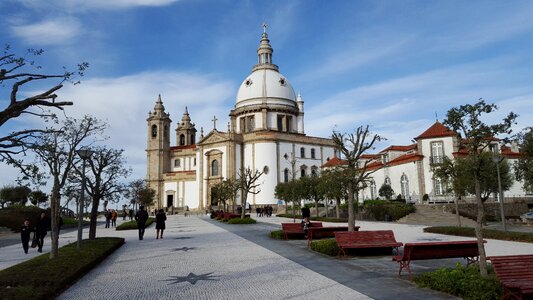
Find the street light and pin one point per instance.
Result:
(84, 154)
(497, 160)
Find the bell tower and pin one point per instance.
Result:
(158, 150)
(185, 132)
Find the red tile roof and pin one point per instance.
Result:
(508, 153)
(436, 130)
(400, 148)
(370, 156)
(335, 161)
(407, 158)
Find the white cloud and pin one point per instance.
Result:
(48, 32)
(124, 103)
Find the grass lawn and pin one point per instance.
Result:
(43, 278)
(487, 233)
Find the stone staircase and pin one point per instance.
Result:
(434, 215)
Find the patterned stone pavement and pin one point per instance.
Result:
(202, 262)
(201, 258)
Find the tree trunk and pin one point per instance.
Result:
(351, 216)
(338, 208)
(479, 231)
(243, 210)
(457, 211)
(94, 216)
(316, 207)
(54, 205)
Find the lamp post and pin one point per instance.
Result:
(84, 154)
(497, 160)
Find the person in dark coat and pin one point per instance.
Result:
(141, 217)
(131, 214)
(306, 212)
(25, 232)
(160, 219)
(43, 225)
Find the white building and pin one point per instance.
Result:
(408, 169)
(266, 132)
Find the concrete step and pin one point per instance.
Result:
(434, 216)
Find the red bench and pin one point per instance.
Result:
(230, 216)
(296, 229)
(366, 239)
(515, 273)
(324, 232)
(435, 250)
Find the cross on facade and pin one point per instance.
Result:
(214, 122)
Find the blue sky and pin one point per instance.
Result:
(391, 64)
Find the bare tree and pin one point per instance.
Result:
(356, 173)
(106, 167)
(56, 150)
(20, 73)
(247, 181)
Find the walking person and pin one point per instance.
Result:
(141, 217)
(160, 219)
(131, 214)
(25, 232)
(107, 218)
(41, 230)
(114, 216)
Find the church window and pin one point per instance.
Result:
(373, 190)
(313, 153)
(182, 139)
(248, 82)
(387, 180)
(251, 123)
(437, 152)
(280, 122)
(405, 186)
(194, 162)
(266, 170)
(288, 124)
(286, 175)
(177, 163)
(154, 131)
(282, 81)
(214, 168)
(193, 139)
(302, 152)
(302, 172)
(438, 187)
(314, 171)
(166, 131)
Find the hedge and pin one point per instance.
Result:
(45, 278)
(487, 233)
(130, 225)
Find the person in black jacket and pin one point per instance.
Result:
(141, 217)
(160, 219)
(43, 225)
(306, 212)
(25, 232)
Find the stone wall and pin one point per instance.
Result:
(492, 209)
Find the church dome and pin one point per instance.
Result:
(265, 85)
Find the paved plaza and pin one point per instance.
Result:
(200, 258)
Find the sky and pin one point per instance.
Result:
(394, 65)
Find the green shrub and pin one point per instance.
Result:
(291, 216)
(130, 225)
(464, 282)
(395, 210)
(44, 278)
(277, 234)
(329, 219)
(328, 247)
(12, 217)
(242, 221)
(487, 233)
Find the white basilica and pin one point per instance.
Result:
(266, 132)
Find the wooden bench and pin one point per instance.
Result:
(436, 250)
(296, 229)
(366, 239)
(324, 232)
(515, 273)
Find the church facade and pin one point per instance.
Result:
(265, 133)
